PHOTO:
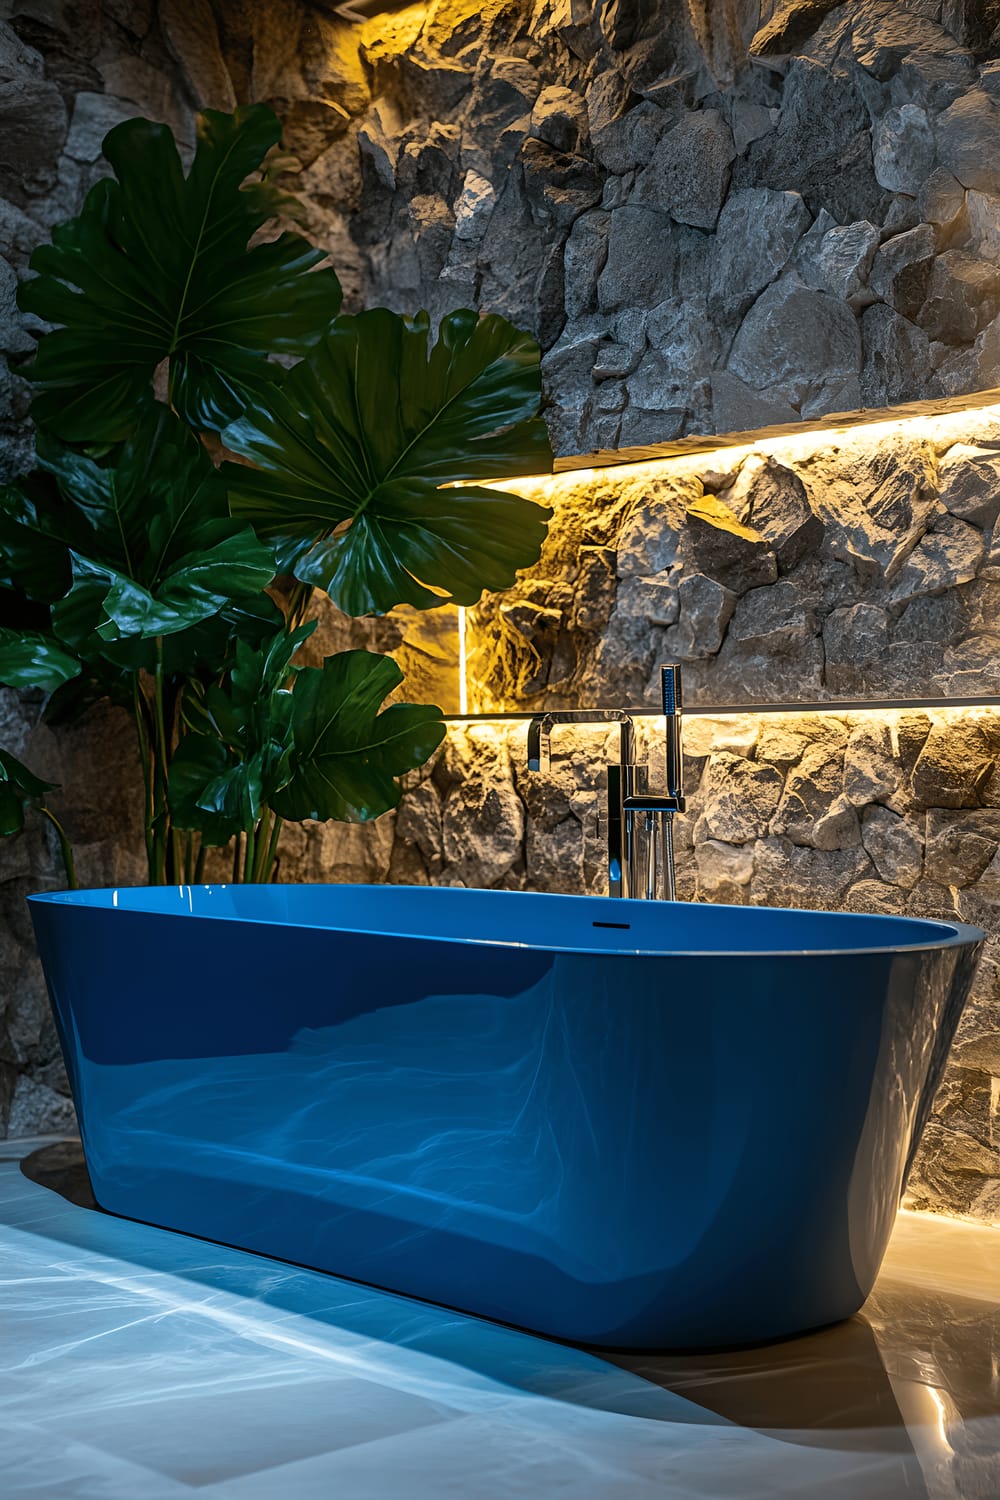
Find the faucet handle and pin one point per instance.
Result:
(670, 689)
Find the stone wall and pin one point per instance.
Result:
(714, 216)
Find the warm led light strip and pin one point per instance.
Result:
(728, 710)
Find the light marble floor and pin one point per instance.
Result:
(136, 1364)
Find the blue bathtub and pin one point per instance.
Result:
(627, 1124)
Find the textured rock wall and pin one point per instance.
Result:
(862, 565)
(714, 216)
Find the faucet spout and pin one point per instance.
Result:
(541, 726)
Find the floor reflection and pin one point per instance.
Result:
(139, 1362)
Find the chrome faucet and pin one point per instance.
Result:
(640, 858)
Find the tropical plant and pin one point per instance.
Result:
(21, 789)
(133, 568)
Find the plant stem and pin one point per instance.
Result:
(140, 712)
(236, 859)
(199, 867)
(65, 847)
(250, 851)
(268, 868)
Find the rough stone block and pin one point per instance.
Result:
(946, 558)
(904, 149)
(968, 140)
(740, 798)
(705, 609)
(794, 339)
(726, 550)
(757, 233)
(952, 766)
(894, 845)
(901, 271)
(688, 174)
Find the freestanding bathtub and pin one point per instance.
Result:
(628, 1124)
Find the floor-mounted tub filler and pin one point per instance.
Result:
(624, 1123)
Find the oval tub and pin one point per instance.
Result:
(628, 1124)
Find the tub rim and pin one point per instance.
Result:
(951, 934)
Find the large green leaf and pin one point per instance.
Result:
(29, 659)
(19, 788)
(346, 755)
(157, 266)
(235, 753)
(152, 547)
(369, 454)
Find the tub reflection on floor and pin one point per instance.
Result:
(140, 1363)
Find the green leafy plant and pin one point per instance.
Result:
(134, 569)
(21, 789)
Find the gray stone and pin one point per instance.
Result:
(872, 772)
(786, 874)
(961, 846)
(970, 483)
(473, 206)
(93, 116)
(649, 601)
(723, 548)
(941, 202)
(962, 296)
(558, 186)
(901, 271)
(774, 618)
(968, 140)
(642, 261)
(794, 339)
(776, 505)
(952, 766)
(757, 233)
(616, 360)
(16, 58)
(706, 607)
(483, 817)
(904, 149)
(840, 263)
(983, 216)
(738, 408)
(740, 798)
(990, 568)
(896, 356)
(559, 116)
(853, 636)
(650, 535)
(688, 174)
(894, 845)
(568, 365)
(39, 1110)
(622, 144)
(876, 502)
(724, 871)
(33, 130)
(945, 558)
(972, 667)
(584, 259)
(14, 336)
(681, 329)
(191, 33)
(811, 810)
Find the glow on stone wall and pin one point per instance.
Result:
(856, 561)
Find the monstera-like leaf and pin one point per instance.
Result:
(156, 267)
(346, 755)
(152, 547)
(29, 659)
(369, 455)
(235, 753)
(19, 788)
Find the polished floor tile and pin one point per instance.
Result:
(136, 1364)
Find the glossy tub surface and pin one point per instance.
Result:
(622, 1123)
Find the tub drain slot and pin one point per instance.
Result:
(623, 926)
